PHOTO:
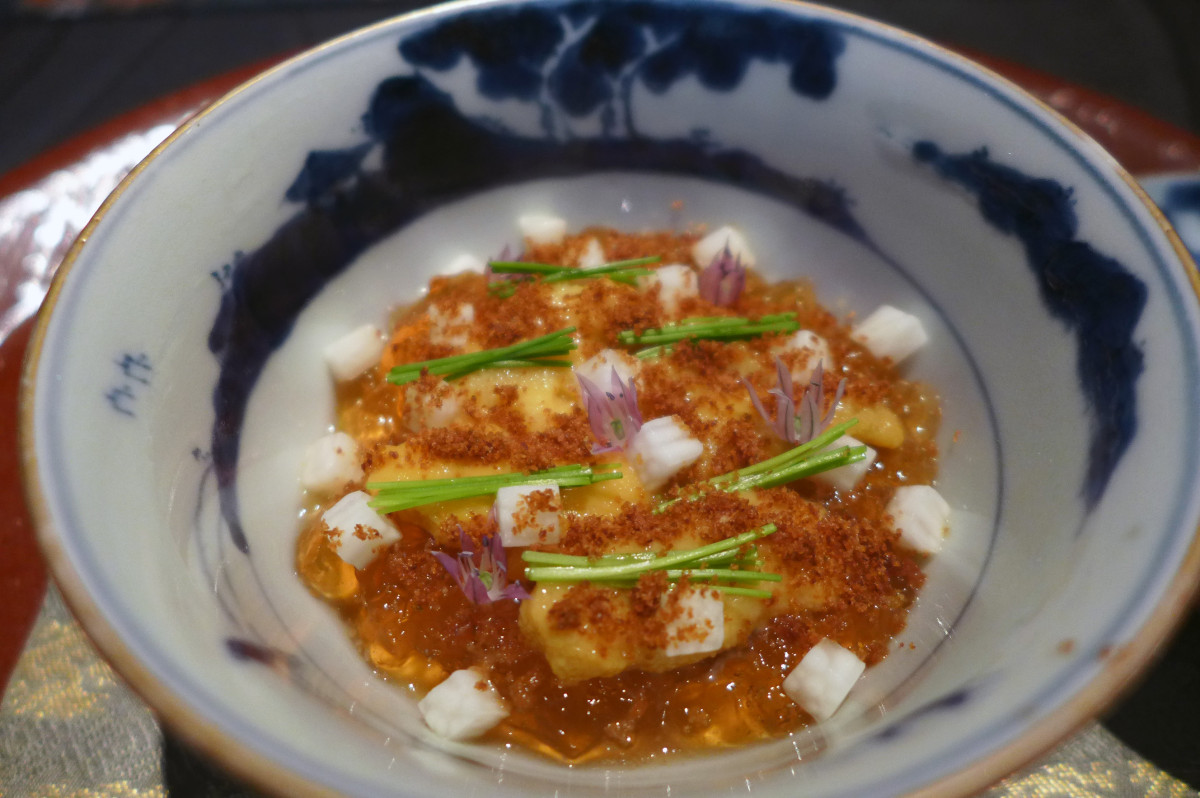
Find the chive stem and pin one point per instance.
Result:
(621, 271)
(526, 353)
(796, 463)
(601, 572)
(710, 327)
(392, 496)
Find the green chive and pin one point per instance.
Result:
(398, 495)
(603, 572)
(720, 328)
(521, 267)
(621, 271)
(524, 354)
(606, 269)
(796, 463)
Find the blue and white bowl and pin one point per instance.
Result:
(174, 380)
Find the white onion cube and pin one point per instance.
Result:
(698, 625)
(599, 367)
(592, 255)
(662, 448)
(542, 228)
(823, 678)
(430, 409)
(452, 328)
(890, 332)
(463, 263)
(848, 476)
(921, 516)
(461, 315)
(713, 244)
(465, 705)
(528, 514)
(355, 352)
(815, 350)
(676, 282)
(358, 533)
(330, 462)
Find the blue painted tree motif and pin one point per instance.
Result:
(578, 59)
(586, 57)
(1091, 293)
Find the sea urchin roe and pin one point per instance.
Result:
(662, 660)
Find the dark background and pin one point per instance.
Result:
(69, 65)
(63, 71)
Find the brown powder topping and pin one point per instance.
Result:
(531, 505)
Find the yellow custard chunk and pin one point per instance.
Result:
(587, 631)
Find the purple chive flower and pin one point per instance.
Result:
(798, 427)
(483, 574)
(722, 280)
(492, 277)
(503, 285)
(613, 415)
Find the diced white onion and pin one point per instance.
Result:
(330, 462)
(675, 282)
(592, 255)
(542, 228)
(660, 449)
(816, 351)
(599, 367)
(921, 516)
(521, 527)
(430, 410)
(463, 706)
(713, 244)
(890, 332)
(847, 476)
(355, 352)
(463, 263)
(451, 328)
(823, 678)
(699, 625)
(358, 532)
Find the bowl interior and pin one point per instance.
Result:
(178, 378)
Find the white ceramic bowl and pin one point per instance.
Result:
(173, 380)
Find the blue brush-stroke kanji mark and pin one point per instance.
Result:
(1092, 293)
(136, 372)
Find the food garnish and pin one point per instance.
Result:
(613, 414)
(525, 354)
(700, 564)
(621, 271)
(799, 427)
(482, 574)
(723, 279)
(796, 463)
(713, 328)
(393, 496)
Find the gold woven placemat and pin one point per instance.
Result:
(70, 728)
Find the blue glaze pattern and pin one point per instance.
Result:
(324, 170)
(1097, 297)
(950, 701)
(532, 54)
